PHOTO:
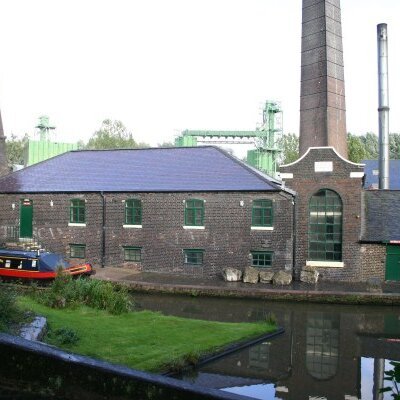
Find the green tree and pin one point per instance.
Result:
(166, 144)
(371, 145)
(289, 143)
(356, 148)
(15, 149)
(394, 145)
(113, 135)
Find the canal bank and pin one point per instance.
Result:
(385, 293)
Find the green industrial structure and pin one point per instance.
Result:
(265, 139)
(44, 148)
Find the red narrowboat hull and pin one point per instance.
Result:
(76, 270)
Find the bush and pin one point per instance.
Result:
(62, 337)
(10, 314)
(68, 292)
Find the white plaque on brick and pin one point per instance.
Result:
(286, 175)
(323, 166)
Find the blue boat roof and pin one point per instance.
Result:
(178, 169)
(372, 174)
(19, 253)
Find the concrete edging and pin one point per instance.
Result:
(313, 296)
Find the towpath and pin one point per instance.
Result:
(325, 292)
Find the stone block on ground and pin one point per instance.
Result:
(309, 274)
(282, 278)
(250, 275)
(34, 330)
(232, 275)
(266, 276)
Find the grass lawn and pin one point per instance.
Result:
(143, 340)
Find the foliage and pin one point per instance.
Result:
(356, 148)
(62, 336)
(113, 135)
(15, 149)
(145, 340)
(371, 145)
(68, 292)
(10, 314)
(289, 143)
(394, 146)
(166, 144)
(394, 377)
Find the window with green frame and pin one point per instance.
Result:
(325, 226)
(194, 212)
(132, 253)
(77, 250)
(262, 213)
(133, 212)
(193, 256)
(77, 211)
(261, 259)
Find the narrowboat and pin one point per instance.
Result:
(39, 265)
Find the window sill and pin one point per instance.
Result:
(325, 264)
(193, 227)
(132, 226)
(76, 224)
(262, 228)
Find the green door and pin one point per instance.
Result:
(392, 263)
(26, 214)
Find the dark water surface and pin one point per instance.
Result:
(327, 351)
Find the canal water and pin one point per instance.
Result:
(326, 352)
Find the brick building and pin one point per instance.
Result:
(380, 235)
(180, 210)
(328, 213)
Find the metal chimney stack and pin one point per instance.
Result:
(383, 106)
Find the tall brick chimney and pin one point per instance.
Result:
(322, 97)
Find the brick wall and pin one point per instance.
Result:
(373, 261)
(307, 182)
(226, 239)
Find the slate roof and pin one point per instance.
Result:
(381, 219)
(372, 178)
(191, 169)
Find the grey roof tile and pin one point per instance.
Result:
(381, 216)
(139, 170)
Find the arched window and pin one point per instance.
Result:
(325, 226)
(322, 347)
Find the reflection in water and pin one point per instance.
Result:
(332, 352)
(322, 347)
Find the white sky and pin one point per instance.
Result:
(164, 66)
